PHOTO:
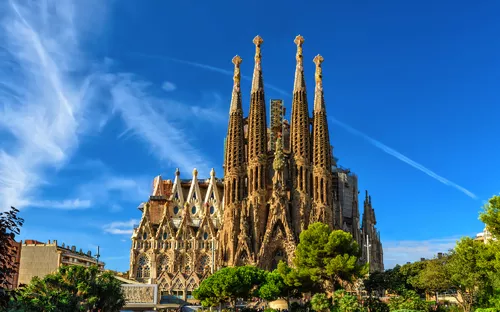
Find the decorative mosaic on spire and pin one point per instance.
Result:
(319, 103)
(236, 96)
(257, 73)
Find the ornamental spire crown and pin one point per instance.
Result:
(319, 103)
(300, 84)
(257, 82)
(236, 96)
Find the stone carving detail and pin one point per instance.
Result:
(139, 294)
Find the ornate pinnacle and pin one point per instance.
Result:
(212, 172)
(195, 172)
(236, 78)
(319, 72)
(257, 41)
(299, 41)
(236, 97)
(177, 172)
(257, 73)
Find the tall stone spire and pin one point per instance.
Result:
(234, 171)
(257, 148)
(371, 237)
(322, 159)
(300, 145)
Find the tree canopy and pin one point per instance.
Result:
(72, 288)
(10, 226)
(229, 284)
(491, 215)
(329, 257)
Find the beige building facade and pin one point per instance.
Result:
(40, 259)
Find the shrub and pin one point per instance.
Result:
(375, 305)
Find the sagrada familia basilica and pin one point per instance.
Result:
(278, 179)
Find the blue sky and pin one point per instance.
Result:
(98, 97)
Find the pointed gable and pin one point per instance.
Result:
(177, 195)
(144, 225)
(194, 197)
(165, 227)
(158, 186)
(213, 198)
(185, 231)
(206, 226)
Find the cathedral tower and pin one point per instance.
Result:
(234, 172)
(300, 146)
(323, 209)
(372, 251)
(257, 151)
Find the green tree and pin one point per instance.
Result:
(274, 287)
(491, 215)
(329, 257)
(395, 281)
(468, 270)
(229, 284)
(72, 288)
(10, 226)
(434, 276)
(408, 300)
(375, 305)
(410, 273)
(321, 303)
(344, 302)
(375, 282)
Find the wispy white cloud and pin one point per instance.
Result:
(168, 86)
(43, 93)
(403, 158)
(401, 252)
(52, 93)
(74, 204)
(121, 227)
(141, 113)
(211, 68)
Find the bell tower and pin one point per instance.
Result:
(323, 209)
(257, 150)
(234, 172)
(300, 145)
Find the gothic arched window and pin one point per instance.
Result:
(143, 267)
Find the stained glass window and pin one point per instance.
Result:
(205, 235)
(176, 210)
(193, 210)
(143, 268)
(165, 235)
(212, 209)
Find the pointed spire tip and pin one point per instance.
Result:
(237, 60)
(258, 40)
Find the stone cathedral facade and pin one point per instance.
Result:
(278, 179)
